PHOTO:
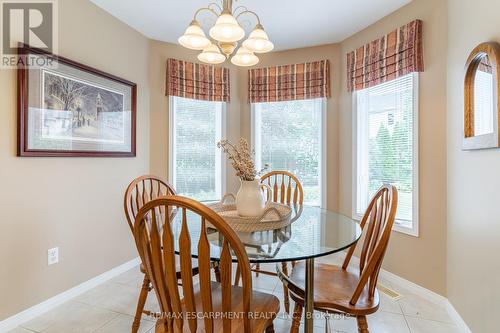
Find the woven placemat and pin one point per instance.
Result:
(275, 216)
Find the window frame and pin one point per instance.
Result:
(220, 163)
(323, 142)
(399, 227)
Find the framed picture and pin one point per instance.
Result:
(69, 109)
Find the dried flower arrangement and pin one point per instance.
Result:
(241, 158)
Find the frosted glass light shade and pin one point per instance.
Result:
(227, 29)
(194, 38)
(211, 55)
(258, 41)
(244, 57)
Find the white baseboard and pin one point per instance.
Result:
(457, 318)
(423, 292)
(36, 310)
(429, 295)
(413, 287)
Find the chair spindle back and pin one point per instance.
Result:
(154, 236)
(377, 225)
(286, 187)
(142, 190)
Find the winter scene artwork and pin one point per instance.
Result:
(81, 111)
(74, 110)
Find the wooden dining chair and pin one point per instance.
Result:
(209, 306)
(286, 189)
(349, 290)
(139, 192)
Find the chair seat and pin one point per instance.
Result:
(265, 306)
(333, 289)
(194, 265)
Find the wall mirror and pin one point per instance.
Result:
(481, 104)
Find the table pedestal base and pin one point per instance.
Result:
(309, 296)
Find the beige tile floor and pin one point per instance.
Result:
(109, 308)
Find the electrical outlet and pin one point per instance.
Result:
(53, 256)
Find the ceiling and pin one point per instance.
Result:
(289, 23)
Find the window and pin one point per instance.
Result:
(386, 147)
(289, 136)
(483, 103)
(196, 168)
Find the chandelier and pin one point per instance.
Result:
(225, 34)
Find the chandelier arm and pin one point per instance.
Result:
(205, 9)
(244, 8)
(249, 12)
(216, 5)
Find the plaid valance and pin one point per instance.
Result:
(395, 54)
(197, 81)
(289, 82)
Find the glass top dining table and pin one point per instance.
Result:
(314, 232)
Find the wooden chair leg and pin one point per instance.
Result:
(257, 267)
(270, 328)
(161, 326)
(297, 315)
(237, 276)
(140, 304)
(286, 299)
(217, 271)
(362, 324)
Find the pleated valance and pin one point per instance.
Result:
(197, 81)
(394, 55)
(289, 82)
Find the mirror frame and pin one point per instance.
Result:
(490, 140)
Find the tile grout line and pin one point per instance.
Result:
(97, 329)
(434, 320)
(404, 316)
(407, 324)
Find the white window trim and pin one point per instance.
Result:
(171, 140)
(414, 230)
(323, 174)
(322, 163)
(220, 162)
(220, 157)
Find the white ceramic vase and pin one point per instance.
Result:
(250, 199)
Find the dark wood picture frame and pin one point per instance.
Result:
(22, 100)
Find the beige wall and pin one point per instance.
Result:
(159, 53)
(73, 203)
(421, 260)
(473, 181)
(330, 52)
